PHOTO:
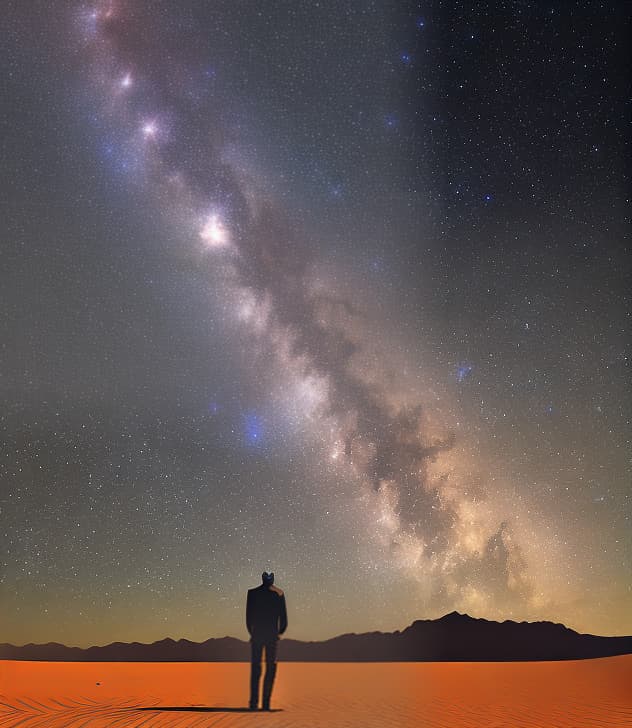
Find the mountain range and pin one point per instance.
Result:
(453, 637)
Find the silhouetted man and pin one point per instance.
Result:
(266, 619)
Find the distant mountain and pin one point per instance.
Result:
(454, 637)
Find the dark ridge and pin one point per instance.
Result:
(453, 637)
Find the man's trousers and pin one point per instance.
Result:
(256, 650)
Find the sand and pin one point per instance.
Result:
(577, 694)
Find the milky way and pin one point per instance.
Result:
(392, 483)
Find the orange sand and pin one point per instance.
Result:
(577, 694)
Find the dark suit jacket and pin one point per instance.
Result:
(266, 615)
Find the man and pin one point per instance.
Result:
(266, 619)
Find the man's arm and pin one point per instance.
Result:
(249, 613)
(283, 616)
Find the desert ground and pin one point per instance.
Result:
(577, 694)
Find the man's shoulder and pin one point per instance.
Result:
(261, 589)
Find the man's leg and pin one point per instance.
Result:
(268, 680)
(255, 673)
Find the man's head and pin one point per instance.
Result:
(268, 579)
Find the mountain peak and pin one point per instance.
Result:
(456, 617)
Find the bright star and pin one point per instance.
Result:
(149, 130)
(253, 429)
(214, 234)
(126, 81)
(463, 371)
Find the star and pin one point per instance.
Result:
(463, 371)
(149, 129)
(214, 234)
(253, 429)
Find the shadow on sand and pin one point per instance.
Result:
(204, 709)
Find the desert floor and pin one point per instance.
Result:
(593, 693)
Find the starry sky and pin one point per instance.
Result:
(333, 289)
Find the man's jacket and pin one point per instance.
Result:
(266, 616)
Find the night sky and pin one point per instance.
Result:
(333, 289)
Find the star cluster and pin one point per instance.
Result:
(333, 290)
